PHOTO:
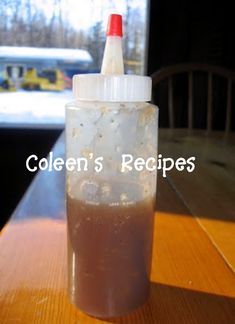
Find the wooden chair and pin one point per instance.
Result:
(190, 68)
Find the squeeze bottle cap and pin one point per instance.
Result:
(114, 27)
(112, 85)
(98, 87)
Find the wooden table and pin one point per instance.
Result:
(194, 244)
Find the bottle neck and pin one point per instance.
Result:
(113, 58)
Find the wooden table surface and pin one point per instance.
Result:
(194, 244)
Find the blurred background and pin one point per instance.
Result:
(43, 43)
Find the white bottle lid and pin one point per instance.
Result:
(112, 84)
(114, 88)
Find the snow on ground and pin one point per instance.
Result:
(33, 108)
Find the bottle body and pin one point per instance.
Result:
(110, 207)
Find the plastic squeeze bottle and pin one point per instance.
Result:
(110, 207)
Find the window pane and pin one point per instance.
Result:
(44, 43)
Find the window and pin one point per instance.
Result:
(44, 43)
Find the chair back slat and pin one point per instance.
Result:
(170, 102)
(190, 100)
(228, 107)
(209, 103)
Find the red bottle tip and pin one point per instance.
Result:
(114, 27)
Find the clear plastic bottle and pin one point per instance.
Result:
(110, 208)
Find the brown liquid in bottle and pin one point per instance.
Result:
(109, 252)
